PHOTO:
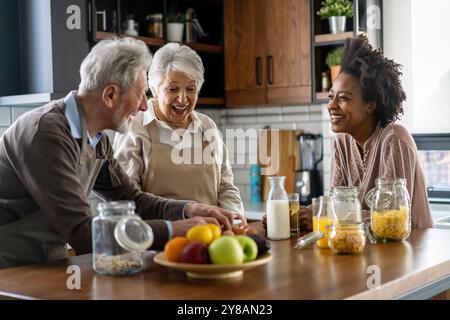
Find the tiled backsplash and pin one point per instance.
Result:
(9, 114)
(310, 118)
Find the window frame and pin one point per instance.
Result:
(434, 141)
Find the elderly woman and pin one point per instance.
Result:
(171, 150)
(365, 100)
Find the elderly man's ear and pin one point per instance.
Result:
(110, 94)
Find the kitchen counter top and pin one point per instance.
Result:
(418, 268)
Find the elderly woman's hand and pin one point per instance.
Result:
(181, 227)
(223, 217)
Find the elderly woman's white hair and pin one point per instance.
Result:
(115, 61)
(173, 56)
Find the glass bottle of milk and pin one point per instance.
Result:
(278, 227)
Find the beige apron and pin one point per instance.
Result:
(31, 238)
(198, 182)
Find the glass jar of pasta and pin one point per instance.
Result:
(390, 209)
(347, 238)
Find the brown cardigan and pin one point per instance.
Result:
(43, 197)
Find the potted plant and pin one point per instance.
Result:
(336, 11)
(175, 25)
(333, 61)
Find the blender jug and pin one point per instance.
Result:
(307, 177)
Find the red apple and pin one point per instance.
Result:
(194, 252)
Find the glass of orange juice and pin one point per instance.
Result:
(323, 220)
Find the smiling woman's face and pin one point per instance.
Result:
(348, 111)
(177, 96)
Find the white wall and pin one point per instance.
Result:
(415, 35)
(431, 65)
(397, 46)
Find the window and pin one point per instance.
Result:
(434, 156)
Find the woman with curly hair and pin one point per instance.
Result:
(365, 101)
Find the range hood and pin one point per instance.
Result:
(29, 100)
(53, 39)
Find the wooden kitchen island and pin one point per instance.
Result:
(418, 268)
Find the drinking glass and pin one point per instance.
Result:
(294, 210)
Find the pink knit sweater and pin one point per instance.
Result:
(389, 153)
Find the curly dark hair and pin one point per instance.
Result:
(379, 78)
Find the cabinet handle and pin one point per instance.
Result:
(258, 71)
(270, 69)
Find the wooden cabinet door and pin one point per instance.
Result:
(244, 26)
(288, 51)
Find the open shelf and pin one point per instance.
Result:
(159, 42)
(100, 35)
(211, 101)
(329, 37)
(205, 47)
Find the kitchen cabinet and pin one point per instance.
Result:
(267, 52)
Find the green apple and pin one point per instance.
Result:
(249, 247)
(226, 250)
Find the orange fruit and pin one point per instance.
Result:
(216, 230)
(173, 248)
(201, 233)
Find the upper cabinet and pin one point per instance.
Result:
(267, 52)
(200, 27)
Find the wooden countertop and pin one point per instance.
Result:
(415, 268)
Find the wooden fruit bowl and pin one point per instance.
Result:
(213, 271)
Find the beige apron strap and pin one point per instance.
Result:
(154, 133)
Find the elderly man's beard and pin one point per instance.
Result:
(122, 123)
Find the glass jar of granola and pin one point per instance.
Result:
(347, 238)
(119, 239)
(390, 210)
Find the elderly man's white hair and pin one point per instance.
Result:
(115, 61)
(173, 56)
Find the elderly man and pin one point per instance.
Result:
(52, 158)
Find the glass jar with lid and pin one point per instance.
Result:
(347, 238)
(119, 239)
(346, 204)
(278, 219)
(390, 210)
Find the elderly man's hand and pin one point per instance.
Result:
(223, 217)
